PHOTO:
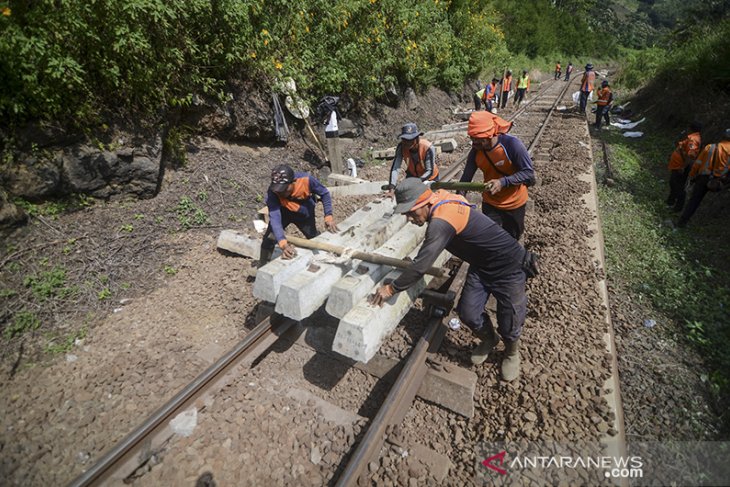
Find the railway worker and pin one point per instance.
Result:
(498, 265)
(523, 87)
(568, 71)
(507, 169)
(506, 88)
(291, 199)
(586, 86)
(603, 104)
(708, 173)
(680, 163)
(558, 70)
(418, 153)
(490, 93)
(479, 96)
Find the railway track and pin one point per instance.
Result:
(532, 120)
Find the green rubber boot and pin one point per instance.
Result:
(511, 361)
(489, 340)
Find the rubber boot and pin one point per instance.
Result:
(489, 340)
(511, 361)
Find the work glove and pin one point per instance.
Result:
(331, 226)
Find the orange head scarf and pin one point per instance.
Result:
(483, 125)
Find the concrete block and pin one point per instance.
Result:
(270, 277)
(370, 187)
(305, 292)
(463, 115)
(446, 145)
(445, 134)
(239, 243)
(388, 153)
(449, 386)
(364, 327)
(455, 126)
(359, 282)
(342, 180)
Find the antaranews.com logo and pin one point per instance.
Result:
(639, 464)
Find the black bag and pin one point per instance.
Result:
(529, 264)
(327, 105)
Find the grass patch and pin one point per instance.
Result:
(49, 284)
(678, 272)
(58, 345)
(23, 321)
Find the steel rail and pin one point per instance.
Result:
(401, 395)
(133, 444)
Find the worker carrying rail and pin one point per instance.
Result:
(418, 153)
(498, 265)
(291, 199)
(507, 170)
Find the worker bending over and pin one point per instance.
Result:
(708, 173)
(498, 265)
(291, 199)
(680, 163)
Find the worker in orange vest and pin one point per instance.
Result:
(418, 153)
(603, 104)
(586, 86)
(490, 92)
(291, 199)
(568, 71)
(498, 266)
(507, 169)
(708, 173)
(680, 163)
(506, 88)
(558, 70)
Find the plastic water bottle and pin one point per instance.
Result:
(454, 323)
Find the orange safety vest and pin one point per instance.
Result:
(492, 93)
(604, 95)
(301, 192)
(450, 207)
(690, 146)
(507, 198)
(507, 83)
(713, 160)
(586, 83)
(557, 67)
(416, 168)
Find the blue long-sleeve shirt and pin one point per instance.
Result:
(301, 202)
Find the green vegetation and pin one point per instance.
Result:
(678, 272)
(49, 284)
(23, 321)
(65, 344)
(69, 61)
(697, 57)
(190, 215)
(169, 270)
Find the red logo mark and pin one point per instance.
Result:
(500, 457)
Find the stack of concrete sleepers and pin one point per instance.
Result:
(302, 285)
